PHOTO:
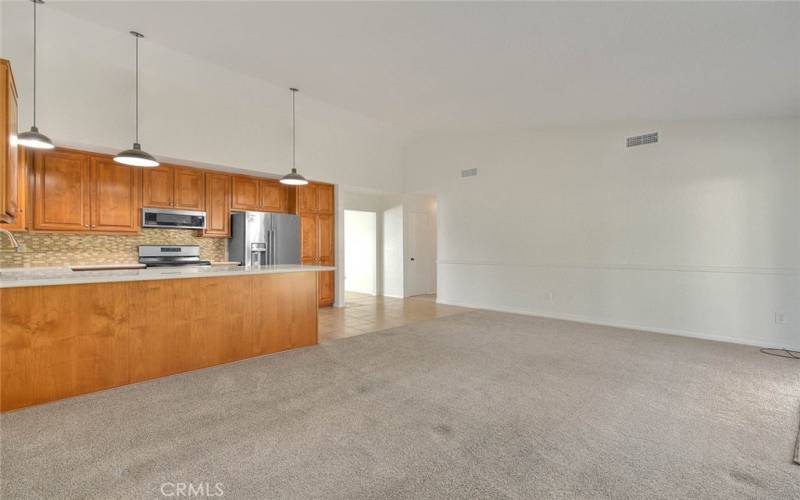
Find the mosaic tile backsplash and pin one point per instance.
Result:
(54, 249)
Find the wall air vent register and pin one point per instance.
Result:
(641, 140)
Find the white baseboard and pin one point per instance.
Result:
(624, 325)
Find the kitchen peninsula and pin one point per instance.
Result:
(65, 333)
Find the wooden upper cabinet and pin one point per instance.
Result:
(325, 198)
(115, 200)
(171, 186)
(307, 198)
(244, 193)
(158, 187)
(315, 198)
(274, 196)
(218, 204)
(253, 193)
(24, 218)
(9, 162)
(61, 191)
(189, 189)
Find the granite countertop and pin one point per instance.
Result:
(47, 276)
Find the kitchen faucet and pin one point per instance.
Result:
(14, 243)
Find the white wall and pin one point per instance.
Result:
(361, 245)
(696, 235)
(190, 110)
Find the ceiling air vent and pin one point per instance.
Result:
(469, 172)
(641, 140)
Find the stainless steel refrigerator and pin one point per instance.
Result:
(264, 239)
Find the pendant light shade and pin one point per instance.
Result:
(135, 157)
(293, 178)
(33, 138)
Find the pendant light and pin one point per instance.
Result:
(135, 157)
(33, 138)
(293, 178)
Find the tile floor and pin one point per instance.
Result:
(368, 313)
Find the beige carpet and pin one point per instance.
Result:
(797, 448)
(479, 405)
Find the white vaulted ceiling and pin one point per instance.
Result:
(475, 66)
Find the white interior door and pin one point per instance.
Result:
(360, 252)
(421, 261)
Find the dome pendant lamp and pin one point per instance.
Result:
(293, 178)
(33, 138)
(135, 157)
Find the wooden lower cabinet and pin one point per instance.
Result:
(326, 287)
(62, 341)
(66, 340)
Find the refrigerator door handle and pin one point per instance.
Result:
(271, 247)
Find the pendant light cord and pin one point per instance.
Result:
(137, 88)
(34, 62)
(294, 91)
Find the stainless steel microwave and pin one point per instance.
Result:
(175, 219)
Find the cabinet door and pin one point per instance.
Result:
(116, 195)
(188, 189)
(308, 239)
(24, 215)
(326, 258)
(9, 163)
(326, 238)
(307, 198)
(325, 198)
(274, 196)
(61, 191)
(158, 186)
(245, 193)
(325, 288)
(218, 203)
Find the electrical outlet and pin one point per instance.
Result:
(780, 318)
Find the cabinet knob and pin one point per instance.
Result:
(86, 225)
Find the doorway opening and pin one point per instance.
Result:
(360, 252)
